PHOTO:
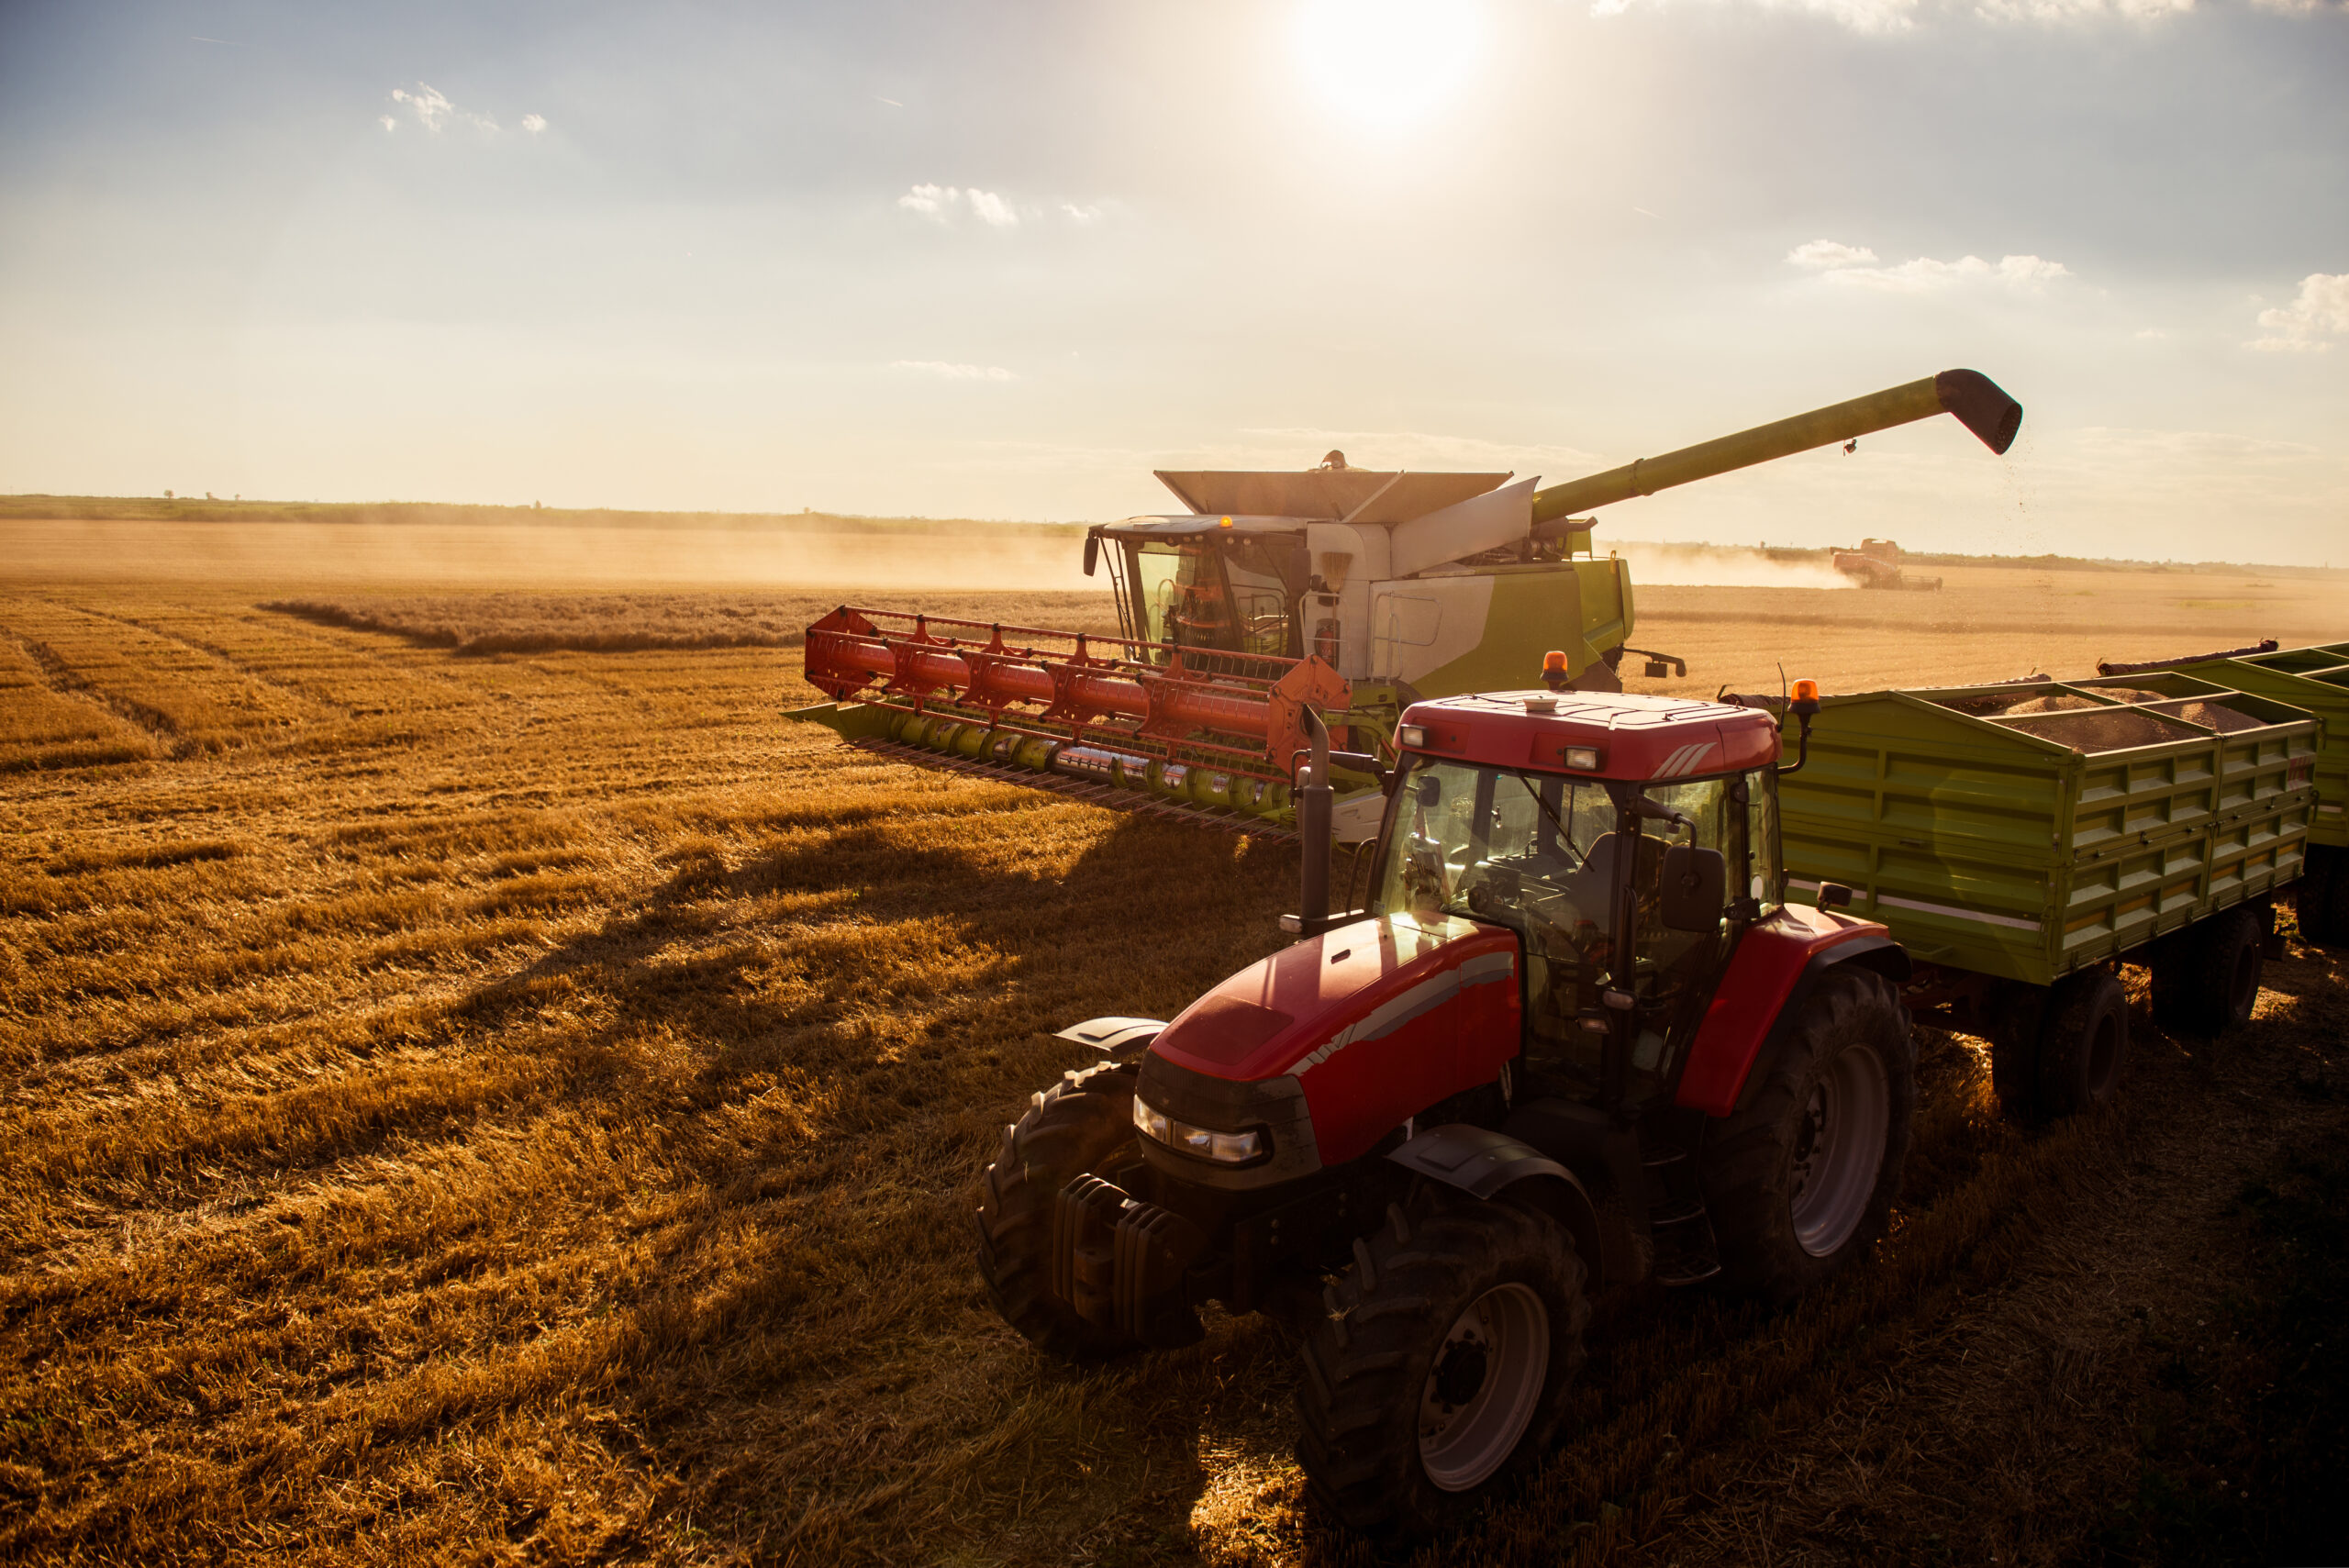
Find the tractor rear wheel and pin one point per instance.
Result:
(1802, 1179)
(2205, 978)
(1080, 1126)
(1440, 1368)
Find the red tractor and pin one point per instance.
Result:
(1574, 1040)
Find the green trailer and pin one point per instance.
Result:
(2022, 840)
(2315, 678)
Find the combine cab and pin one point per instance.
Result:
(1352, 593)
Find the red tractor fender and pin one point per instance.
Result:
(1484, 1163)
(1771, 974)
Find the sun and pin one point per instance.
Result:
(1386, 64)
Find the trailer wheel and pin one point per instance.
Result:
(1803, 1178)
(1077, 1127)
(2205, 978)
(2084, 1046)
(2332, 924)
(1440, 1368)
(2322, 899)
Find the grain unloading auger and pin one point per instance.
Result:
(1352, 592)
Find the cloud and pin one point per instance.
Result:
(1860, 16)
(931, 201)
(941, 203)
(1902, 15)
(2310, 322)
(2153, 334)
(2057, 12)
(1827, 253)
(1842, 265)
(992, 209)
(1083, 217)
(434, 112)
(534, 122)
(945, 371)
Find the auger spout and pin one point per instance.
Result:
(1976, 401)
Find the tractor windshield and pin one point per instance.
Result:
(1226, 594)
(1577, 873)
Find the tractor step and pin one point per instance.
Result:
(1683, 1233)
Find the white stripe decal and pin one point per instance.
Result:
(1958, 913)
(1952, 910)
(1420, 1000)
(1684, 760)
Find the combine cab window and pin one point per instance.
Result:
(1565, 865)
(1226, 595)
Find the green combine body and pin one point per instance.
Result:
(2027, 831)
(1350, 592)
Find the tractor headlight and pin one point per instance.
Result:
(1582, 758)
(1411, 736)
(1223, 1147)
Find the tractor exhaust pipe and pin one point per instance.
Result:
(1312, 796)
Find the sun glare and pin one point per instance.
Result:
(1388, 64)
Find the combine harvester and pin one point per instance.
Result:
(1339, 591)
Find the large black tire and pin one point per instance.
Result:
(1438, 1373)
(1081, 1125)
(2205, 978)
(2334, 924)
(2323, 898)
(1801, 1180)
(2083, 1046)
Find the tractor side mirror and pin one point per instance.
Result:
(1092, 552)
(1430, 790)
(1695, 885)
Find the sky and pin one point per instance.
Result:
(1003, 259)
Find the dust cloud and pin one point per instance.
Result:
(548, 557)
(1724, 566)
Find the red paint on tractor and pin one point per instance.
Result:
(1636, 737)
(1761, 976)
(1378, 1019)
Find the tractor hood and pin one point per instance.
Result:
(1376, 1020)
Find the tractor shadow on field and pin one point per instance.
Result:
(824, 1041)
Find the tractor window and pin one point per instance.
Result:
(1549, 857)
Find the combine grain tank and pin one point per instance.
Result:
(1352, 591)
(2315, 678)
(2022, 840)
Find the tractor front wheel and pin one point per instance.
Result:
(1440, 1370)
(1080, 1126)
(1802, 1178)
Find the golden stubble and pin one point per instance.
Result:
(490, 1106)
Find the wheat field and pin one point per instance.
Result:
(525, 1105)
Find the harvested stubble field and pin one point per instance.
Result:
(526, 1108)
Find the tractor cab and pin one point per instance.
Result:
(1622, 838)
